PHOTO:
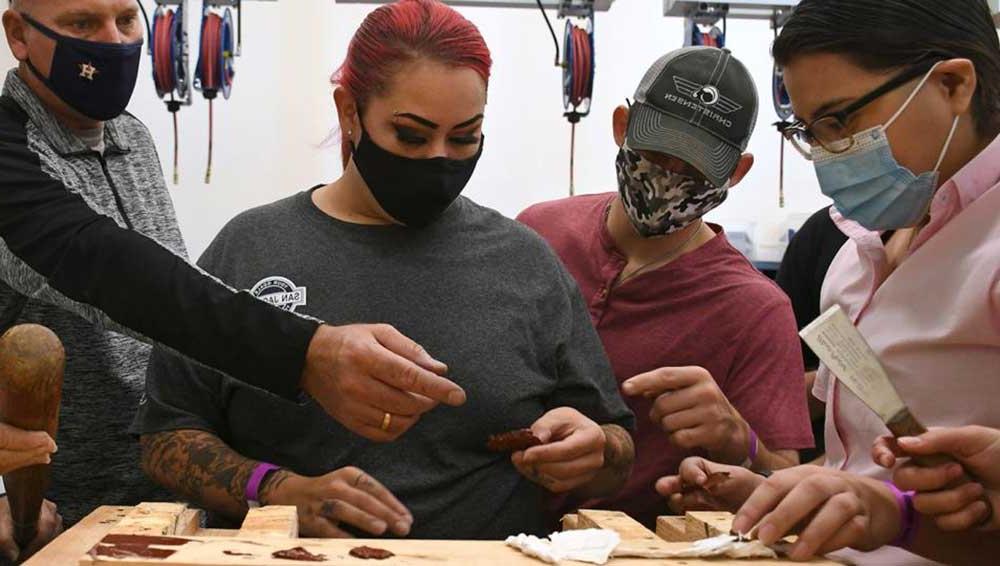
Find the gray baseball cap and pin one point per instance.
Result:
(698, 104)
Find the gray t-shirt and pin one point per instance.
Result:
(480, 292)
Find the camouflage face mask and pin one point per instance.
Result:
(660, 202)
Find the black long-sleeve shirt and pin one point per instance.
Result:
(130, 282)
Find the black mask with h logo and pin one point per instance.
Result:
(95, 79)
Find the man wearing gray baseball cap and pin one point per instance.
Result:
(705, 347)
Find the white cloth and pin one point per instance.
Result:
(585, 545)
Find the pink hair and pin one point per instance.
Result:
(401, 32)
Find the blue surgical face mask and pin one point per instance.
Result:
(869, 186)
(95, 79)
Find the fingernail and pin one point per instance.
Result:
(403, 528)
(954, 470)
(885, 461)
(740, 524)
(767, 533)
(910, 441)
(976, 489)
(55, 447)
(456, 398)
(379, 527)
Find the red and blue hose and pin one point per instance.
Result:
(578, 83)
(216, 67)
(167, 49)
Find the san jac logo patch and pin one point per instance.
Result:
(280, 292)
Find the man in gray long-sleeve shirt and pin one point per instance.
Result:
(98, 463)
(90, 247)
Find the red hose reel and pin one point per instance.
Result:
(578, 81)
(168, 48)
(216, 64)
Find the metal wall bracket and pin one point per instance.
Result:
(576, 9)
(777, 11)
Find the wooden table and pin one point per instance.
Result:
(174, 532)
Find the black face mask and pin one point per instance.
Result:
(415, 192)
(95, 79)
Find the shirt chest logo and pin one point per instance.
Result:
(280, 292)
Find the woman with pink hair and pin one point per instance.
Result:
(392, 240)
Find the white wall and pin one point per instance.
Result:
(6, 59)
(268, 134)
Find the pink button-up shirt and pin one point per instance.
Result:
(934, 322)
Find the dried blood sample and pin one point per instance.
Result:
(300, 554)
(512, 441)
(369, 553)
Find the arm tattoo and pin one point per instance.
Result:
(619, 454)
(270, 485)
(200, 467)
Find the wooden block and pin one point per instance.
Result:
(673, 529)
(707, 524)
(637, 540)
(190, 522)
(151, 519)
(74, 543)
(273, 520)
(570, 522)
(626, 527)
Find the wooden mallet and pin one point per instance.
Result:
(32, 360)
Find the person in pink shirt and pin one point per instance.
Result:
(974, 449)
(704, 345)
(898, 107)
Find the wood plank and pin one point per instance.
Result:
(673, 529)
(240, 551)
(706, 524)
(274, 521)
(216, 533)
(71, 545)
(626, 527)
(190, 522)
(637, 540)
(151, 519)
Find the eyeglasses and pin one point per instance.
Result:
(830, 130)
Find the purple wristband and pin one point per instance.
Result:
(754, 443)
(907, 515)
(258, 475)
